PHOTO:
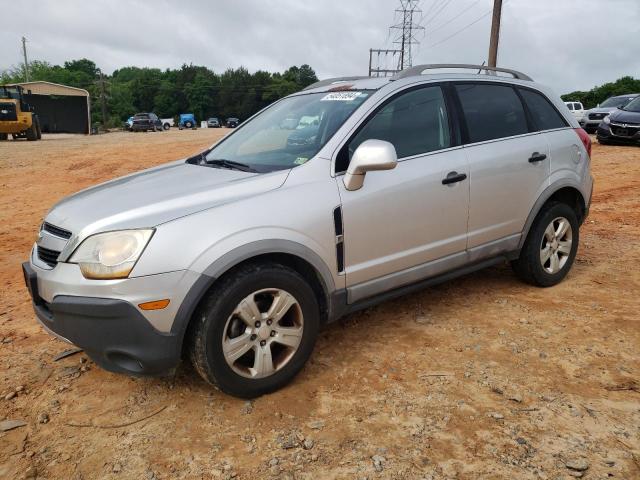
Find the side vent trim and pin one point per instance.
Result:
(338, 228)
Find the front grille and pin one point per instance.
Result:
(597, 116)
(50, 257)
(8, 112)
(57, 231)
(621, 131)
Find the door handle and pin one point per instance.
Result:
(537, 157)
(453, 177)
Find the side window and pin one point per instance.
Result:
(544, 114)
(491, 111)
(414, 122)
(570, 105)
(579, 106)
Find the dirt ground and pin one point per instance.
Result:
(481, 377)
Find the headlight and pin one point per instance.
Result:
(607, 120)
(110, 255)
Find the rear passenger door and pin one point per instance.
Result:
(508, 165)
(565, 149)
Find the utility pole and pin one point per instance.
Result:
(495, 33)
(26, 63)
(103, 99)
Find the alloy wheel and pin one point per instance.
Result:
(555, 247)
(263, 333)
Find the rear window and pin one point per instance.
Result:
(491, 111)
(545, 116)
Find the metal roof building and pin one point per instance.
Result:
(60, 108)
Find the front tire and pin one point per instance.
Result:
(255, 330)
(551, 245)
(32, 132)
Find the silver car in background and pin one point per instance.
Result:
(351, 192)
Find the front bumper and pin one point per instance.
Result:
(141, 128)
(114, 332)
(619, 133)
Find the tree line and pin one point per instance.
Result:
(199, 90)
(597, 95)
(189, 89)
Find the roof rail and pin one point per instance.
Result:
(330, 81)
(418, 69)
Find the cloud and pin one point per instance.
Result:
(566, 45)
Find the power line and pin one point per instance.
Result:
(438, 11)
(464, 28)
(442, 25)
(461, 30)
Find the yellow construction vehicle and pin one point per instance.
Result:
(16, 116)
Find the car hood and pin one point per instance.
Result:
(601, 110)
(623, 116)
(157, 195)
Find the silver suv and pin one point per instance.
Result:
(237, 256)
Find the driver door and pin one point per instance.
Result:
(404, 224)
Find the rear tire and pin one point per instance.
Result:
(39, 129)
(188, 124)
(243, 356)
(166, 126)
(551, 245)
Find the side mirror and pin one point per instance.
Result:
(371, 155)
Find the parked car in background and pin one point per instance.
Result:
(187, 120)
(593, 117)
(576, 109)
(235, 257)
(621, 125)
(167, 123)
(213, 122)
(128, 124)
(232, 122)
(143, 122)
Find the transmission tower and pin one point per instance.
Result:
(407, 11)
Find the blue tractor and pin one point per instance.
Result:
(187, 120)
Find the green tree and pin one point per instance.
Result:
(597, 95)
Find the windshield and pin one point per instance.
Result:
(10, 92)
(633, 105)
(615, 102)
(290, 132)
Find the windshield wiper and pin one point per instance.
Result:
(223, 163)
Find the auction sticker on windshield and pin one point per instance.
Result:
(340, 96)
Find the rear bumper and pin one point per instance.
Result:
(112, 332)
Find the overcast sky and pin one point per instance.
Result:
(566, 44)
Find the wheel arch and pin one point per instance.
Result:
(291, 254)
(562, 191)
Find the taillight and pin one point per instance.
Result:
(585, 138)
